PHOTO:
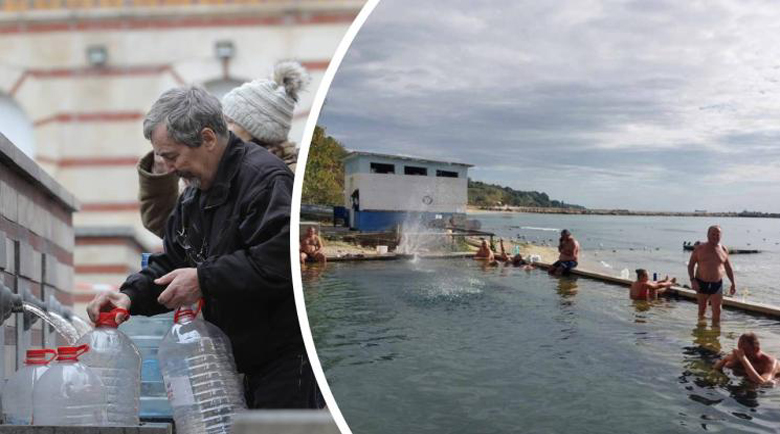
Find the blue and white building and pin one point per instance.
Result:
(382, 191)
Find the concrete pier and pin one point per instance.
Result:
(753, 307)
(392, 256)
(747, 306)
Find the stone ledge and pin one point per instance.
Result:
(285, 422)
(149, 428)
(29, 169)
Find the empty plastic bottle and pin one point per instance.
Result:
(18, 392)
(116, 360)
(200, 376)
(69, 393)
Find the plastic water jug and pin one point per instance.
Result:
(69, 393)
(116, 360)
(147, 333)
(18, 392)
(200, 376)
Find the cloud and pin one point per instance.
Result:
(574, 97)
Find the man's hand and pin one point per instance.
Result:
(733, 289)
(695, 285)
(183, 288)
(738, 354)
(158, 166)
(107, 301)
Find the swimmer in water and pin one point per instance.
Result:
(517, 260)
(644, 289)
(503, 257)
(748, 360)
(484, 252)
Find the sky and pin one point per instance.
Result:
(642, 105)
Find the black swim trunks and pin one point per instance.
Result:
(710, 288)
(565, 265)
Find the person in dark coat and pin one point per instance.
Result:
(259, 112)
(227, 243)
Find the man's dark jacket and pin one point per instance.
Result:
(237, 234)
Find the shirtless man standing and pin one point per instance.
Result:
(311, 247)
(748, 359)
(569, 250)
(713, 261)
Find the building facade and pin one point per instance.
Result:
(78, 76)
(382, 191)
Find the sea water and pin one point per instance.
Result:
(611, 244)
(451, 346)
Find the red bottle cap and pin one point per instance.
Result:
(71, 353)
(187, 312)
(108, 319)
(38, 356)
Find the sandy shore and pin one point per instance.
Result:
(338, 249)
(334, 249)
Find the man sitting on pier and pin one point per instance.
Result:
(643, 289)
(312, 246)
(712, 259)
(484, 252)
(748, 359)
(569, 250)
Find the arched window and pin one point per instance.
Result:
(16, 126)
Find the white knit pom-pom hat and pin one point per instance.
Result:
(264, 107)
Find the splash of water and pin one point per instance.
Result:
(417, 238)
(410, 240)
(82, 327)
(60, 324)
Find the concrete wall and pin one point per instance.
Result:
(431, 194)
(36, 247)
(379, 221)
(427, 193)
(362, 164)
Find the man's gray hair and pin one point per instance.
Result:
(185, 112)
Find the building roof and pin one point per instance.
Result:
(353, 154)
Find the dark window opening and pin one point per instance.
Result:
(382, 168)
(411, 170)
(446, 174)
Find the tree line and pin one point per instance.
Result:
(323, 182)
(491, 195)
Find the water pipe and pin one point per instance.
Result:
(9, 303)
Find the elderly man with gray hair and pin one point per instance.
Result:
(227, 243)
(259, 112)
(709, 262)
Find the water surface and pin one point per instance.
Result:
(445, 346)
(613, 243)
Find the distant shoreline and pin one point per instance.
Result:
(622, 212)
